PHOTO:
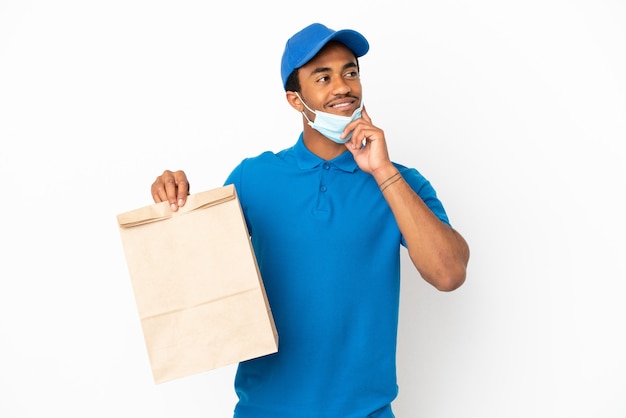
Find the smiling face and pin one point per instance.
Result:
(330, 81)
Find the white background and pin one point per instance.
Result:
(516, 112)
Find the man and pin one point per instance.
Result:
(327, 218)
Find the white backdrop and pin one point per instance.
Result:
(516, 112)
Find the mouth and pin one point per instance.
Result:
(347, 104)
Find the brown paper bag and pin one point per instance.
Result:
(197, 286)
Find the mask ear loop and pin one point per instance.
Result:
(305, 105)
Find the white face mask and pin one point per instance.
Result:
(331, 126)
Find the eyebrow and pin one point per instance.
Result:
(327, 69)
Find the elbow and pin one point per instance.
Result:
(446, 278)
(449, 282)
(445, 270)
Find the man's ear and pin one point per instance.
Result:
(294, 101)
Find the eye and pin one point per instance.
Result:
(323, 79)
(352, 74)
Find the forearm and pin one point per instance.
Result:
(438, 252)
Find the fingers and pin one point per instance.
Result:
(363, 131)
(171, 187)
(361, 138)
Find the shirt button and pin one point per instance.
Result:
(326, 166)
(323, 188)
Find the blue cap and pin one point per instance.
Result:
(303, 46)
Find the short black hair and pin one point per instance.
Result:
(293, 82)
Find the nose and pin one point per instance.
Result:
(341, 87)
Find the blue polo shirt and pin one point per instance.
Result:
(328, 249)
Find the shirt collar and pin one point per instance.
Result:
(307, 160)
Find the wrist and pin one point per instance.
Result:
(392, 176)
(384, 173)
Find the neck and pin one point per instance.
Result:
(321, 146)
